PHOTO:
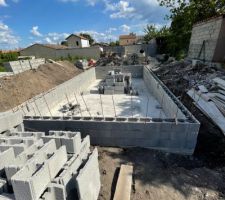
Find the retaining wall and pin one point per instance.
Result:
(212, 33)
(40, 104)
(135, 70)
(23, 65)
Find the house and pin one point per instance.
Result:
(128, 39)
(77, 41)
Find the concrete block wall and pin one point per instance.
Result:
(41, 51)
(47, 171)
(176, 136)
(150, 49)
(212, 32)
(23, 65)
(39, 105)
(164, 96)
(135, 70)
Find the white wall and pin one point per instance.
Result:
(85, 43)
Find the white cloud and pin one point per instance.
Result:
(125, 28)
(56, 38)
(48, 40)
(100, 36)
(122, 10)
(34, 31)
(110, 30)
(7, 38)
(3, 3)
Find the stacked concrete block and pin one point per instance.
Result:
(46, 169)
(3, 186)
(31, 181)
(72, 140)
(37, 151)
(6, 157)
(6, 196)
(88, 189)
(109, 90)
(9, 120)
(70, 171)
(36, 135)
(54, 192)
(23, 65)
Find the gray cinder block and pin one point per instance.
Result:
(89, 188)
(31, 181)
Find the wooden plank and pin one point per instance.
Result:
(123, 186)
(220, 82)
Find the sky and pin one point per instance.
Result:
(25, 22)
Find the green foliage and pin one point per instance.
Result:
(151, 32)
(73, 59)
(184, 13)
(6, 57)
(89, 37)
(116, 43)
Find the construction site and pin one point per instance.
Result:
(128, 124)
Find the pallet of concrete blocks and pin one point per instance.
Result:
(72, 140)
(80, 178)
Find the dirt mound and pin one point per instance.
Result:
(21, 87)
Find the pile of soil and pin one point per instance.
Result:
(19, 88)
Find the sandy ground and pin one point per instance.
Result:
(18, 88)
(160, 176)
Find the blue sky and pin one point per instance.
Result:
(24, 22)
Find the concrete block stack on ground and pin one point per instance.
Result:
(23, 65)
(49, 169)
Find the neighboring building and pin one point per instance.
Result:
(208, 39)
(128, 39)
(59, 51)
(77, 41)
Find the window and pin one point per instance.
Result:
(77, 43)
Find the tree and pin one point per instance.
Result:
(185, 13)
(116, 43)
(89, 37)
(151, 32)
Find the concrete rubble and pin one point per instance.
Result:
(203, 82)
(53, 166)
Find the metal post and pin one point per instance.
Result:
(78, 104)
(85, 104)
(114, 106)
(101, 105)
(47, 106)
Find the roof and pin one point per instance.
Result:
(79, 36)
(128, 36)
(51, 46)
(54, 46)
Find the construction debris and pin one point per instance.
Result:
(204, 83)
